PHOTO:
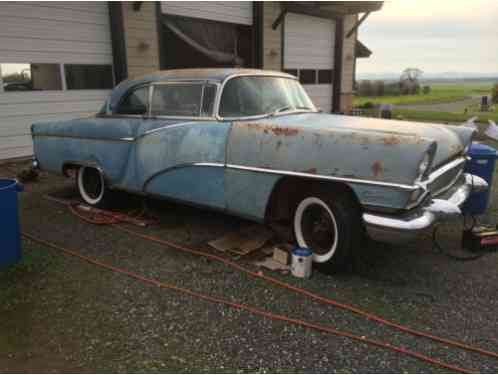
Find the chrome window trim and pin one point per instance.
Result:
(133, 88)
(255, 117)
(46, 135)
(202, 82)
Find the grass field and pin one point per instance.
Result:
(440, 93)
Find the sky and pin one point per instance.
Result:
(435, 36)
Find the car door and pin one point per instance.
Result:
(181, 149)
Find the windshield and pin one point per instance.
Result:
(260, 95)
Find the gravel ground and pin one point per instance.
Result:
(59, 314)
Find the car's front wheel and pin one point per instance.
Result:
(328, 224)
(92, 187)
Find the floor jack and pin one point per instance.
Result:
(480, 239)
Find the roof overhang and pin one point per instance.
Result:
(361, 50)
(331, 9)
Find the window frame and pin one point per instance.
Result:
(202, 83)
(255, 117)
(127, 93)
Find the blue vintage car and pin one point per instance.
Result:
(252, 144)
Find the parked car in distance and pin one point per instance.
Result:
(251, 143)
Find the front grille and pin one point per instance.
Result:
(443, 178)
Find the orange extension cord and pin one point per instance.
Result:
(372, 317)
(250, 309)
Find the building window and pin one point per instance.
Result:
(292, 72)
(325, 76)
(30, 77)
(307, 76)
(88, 77)
(135, 102)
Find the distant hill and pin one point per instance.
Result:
(434, 77)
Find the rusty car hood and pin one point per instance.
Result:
(451, 140)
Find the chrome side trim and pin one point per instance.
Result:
(124, 139)
(324, 177)
(166, 127)
(445, 168)
(178, 166)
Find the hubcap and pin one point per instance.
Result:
(318, 229)
(92, 183)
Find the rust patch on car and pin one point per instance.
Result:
(377, 168)
(392, 140)
(286, 132)
(310, 171)
(267, 128)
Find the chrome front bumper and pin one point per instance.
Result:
(407, 227)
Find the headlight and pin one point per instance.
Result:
(424, 165)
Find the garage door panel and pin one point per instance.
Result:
(38, 11)
(309, 44)
(53, 33)
(16, 152)
(19, 44)
(239, 12)
(43, 29)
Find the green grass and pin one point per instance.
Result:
(438, 94)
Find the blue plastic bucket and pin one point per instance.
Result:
(10, 236)
(482, 164)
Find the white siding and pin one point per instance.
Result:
(309, 44)
(239, 12)
(49, 32)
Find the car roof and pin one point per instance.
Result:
(200, 74)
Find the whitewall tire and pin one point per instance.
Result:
(91, 186)
(324, 253)
(328, 222)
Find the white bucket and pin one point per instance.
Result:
(301, 262)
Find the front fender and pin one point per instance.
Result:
(331, 152)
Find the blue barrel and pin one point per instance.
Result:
(10, 236)
(482, 164)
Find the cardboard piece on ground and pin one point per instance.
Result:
(281, 255)
(243, 242)
(272, 265)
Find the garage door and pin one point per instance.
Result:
(309, 53)
(55, 64)
(239, 12)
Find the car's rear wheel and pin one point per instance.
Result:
(92, 187)
(328, 223)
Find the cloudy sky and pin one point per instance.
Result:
(435, 36)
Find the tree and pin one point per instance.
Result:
(494, 94)
(411, 75)
(409, 81)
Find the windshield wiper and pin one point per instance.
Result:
(304, 107)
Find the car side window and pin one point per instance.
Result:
(177, 100)
(135, 102)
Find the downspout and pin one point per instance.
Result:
(338, 54)
(258, 30)
(119, 60)
(160, 37)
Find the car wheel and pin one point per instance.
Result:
(329, 225)
(92, 187)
